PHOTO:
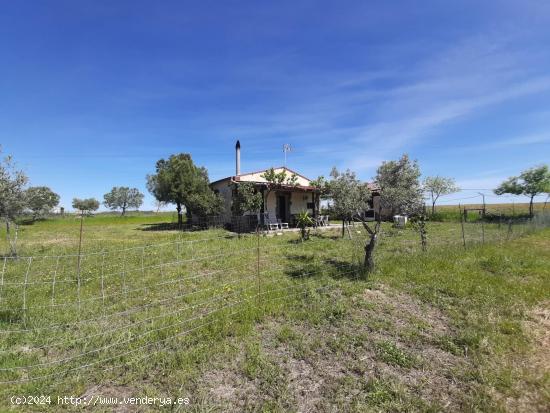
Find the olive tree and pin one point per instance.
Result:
(350, 197)
(399, 192)
(247, 199)
(530, 183)
(179, 181)
(85, 206)
(12, 198)
(436, 186)
(40, 200)
(122, 197)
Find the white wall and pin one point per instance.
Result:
(225, 190)
(257, 177)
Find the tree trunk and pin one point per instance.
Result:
(343, 227)
(531, 206)
(123, 211)
(11, 242)
(180, 216)
(8, 233)
(369, 249)
(433, 208)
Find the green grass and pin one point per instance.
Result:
(493, 211)
(195, 314)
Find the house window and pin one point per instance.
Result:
(310, 205)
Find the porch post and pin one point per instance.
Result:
(262, 211)
(315, 200)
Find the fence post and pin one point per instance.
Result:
(79, 260)
(53, 281)
(258, 264)
(102, 281)
(25, 293)
(462, 226)
(2, 281)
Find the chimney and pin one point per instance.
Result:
(238, 158)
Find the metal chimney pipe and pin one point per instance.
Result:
(238, 158)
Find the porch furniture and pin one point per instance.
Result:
(400, 221)
(322, 220)
(282, 225)
(270, 223)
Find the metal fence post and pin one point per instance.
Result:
(462, 225)
(25, 292)
(258, 263)
(79, 259)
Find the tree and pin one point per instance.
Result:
(530, 183)
(178, 180)
(400, 192)
(160, 204)
(40, 200)
(400, 189)
(122, 197)
(437, 186)
(85, 206)
(12, 198)
(248, 199)
(350, 197)
(277, 180)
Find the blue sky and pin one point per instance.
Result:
(94, 92)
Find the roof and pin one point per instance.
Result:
(235, 178)
(373, 186)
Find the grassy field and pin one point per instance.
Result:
(495, 211)
(268, 323)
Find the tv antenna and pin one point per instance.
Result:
(286, 148)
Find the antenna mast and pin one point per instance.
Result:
(286, 148)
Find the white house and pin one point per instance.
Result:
(282, 203)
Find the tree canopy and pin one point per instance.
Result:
(530, 183)
(12, 187)
(349, 195)
(247, 199)
(400, 189)
(40, 200)
(86, 205)
(277, 179)
(436, 186)
(12, 197)
(179, 181)
(122, 197)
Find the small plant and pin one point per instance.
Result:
(393, 355)
(418, 222)
(303, 221)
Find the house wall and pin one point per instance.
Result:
(257, 177)
(225, 189)
(297, 202)
(385, 212)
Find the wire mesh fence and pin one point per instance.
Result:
(61, 314)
